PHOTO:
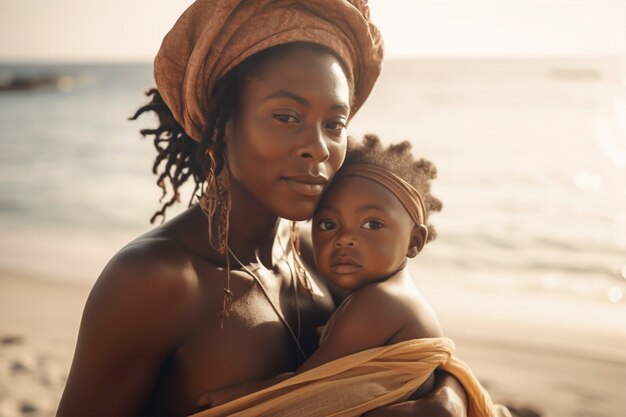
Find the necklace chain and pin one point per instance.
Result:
(276, 310)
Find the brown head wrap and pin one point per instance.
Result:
(404, 192)
(213, 36)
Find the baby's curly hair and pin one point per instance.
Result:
(399, 160)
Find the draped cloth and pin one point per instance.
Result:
(212, 36)
(358, 383)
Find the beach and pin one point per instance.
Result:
(39, 323)
(554, 354)
(527, 360)
(527, 274)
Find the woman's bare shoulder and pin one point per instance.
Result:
(153, 271)
(156, 259)
(138, 313)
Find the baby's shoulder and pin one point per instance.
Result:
(398, 300)
(420, 319)
(379, 300)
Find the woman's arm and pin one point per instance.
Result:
(447, 399)
(131, 323)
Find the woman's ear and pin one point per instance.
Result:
(419, 234)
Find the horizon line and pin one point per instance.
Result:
(455, 57)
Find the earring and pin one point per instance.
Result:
(301, 274)
(216, 203)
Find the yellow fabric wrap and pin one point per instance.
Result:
(212, 36)
(358, 383)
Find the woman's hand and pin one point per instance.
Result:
(448, 399)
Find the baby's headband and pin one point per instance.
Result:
(404, 192)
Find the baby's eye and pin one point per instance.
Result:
(285, 118)
(373, 224)
(326, 225)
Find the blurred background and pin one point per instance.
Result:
(520, 104)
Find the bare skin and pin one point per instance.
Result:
(150, 341)
(363, 237)
(379, 314)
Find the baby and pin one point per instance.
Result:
(369, 222)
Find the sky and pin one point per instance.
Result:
(131, 30)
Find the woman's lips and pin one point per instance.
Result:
(305, 185)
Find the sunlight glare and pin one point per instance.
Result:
(615, 294)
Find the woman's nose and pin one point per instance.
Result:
(314, 147)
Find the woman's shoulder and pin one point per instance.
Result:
(151, 271)
(158, 259)
(138, 313)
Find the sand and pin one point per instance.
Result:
(528, 358)
(38, 327)
(559, 355)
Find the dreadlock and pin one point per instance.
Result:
(178, 155)
(399, 160)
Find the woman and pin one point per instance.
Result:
(254, 97)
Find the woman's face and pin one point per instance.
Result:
(289, 136)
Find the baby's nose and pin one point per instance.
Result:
(346, 239)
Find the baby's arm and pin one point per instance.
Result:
(369, 319)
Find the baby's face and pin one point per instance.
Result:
(361, 233)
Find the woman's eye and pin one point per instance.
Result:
(336, 125)
(286, 118)
(373, 224)
(326, 225)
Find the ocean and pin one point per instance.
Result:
(531, 155)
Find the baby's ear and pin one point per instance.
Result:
(419, 234)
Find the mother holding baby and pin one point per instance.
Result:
(253, 99)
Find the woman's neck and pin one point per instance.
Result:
(252, 227)
(252, 230)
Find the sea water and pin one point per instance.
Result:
(531, 157)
